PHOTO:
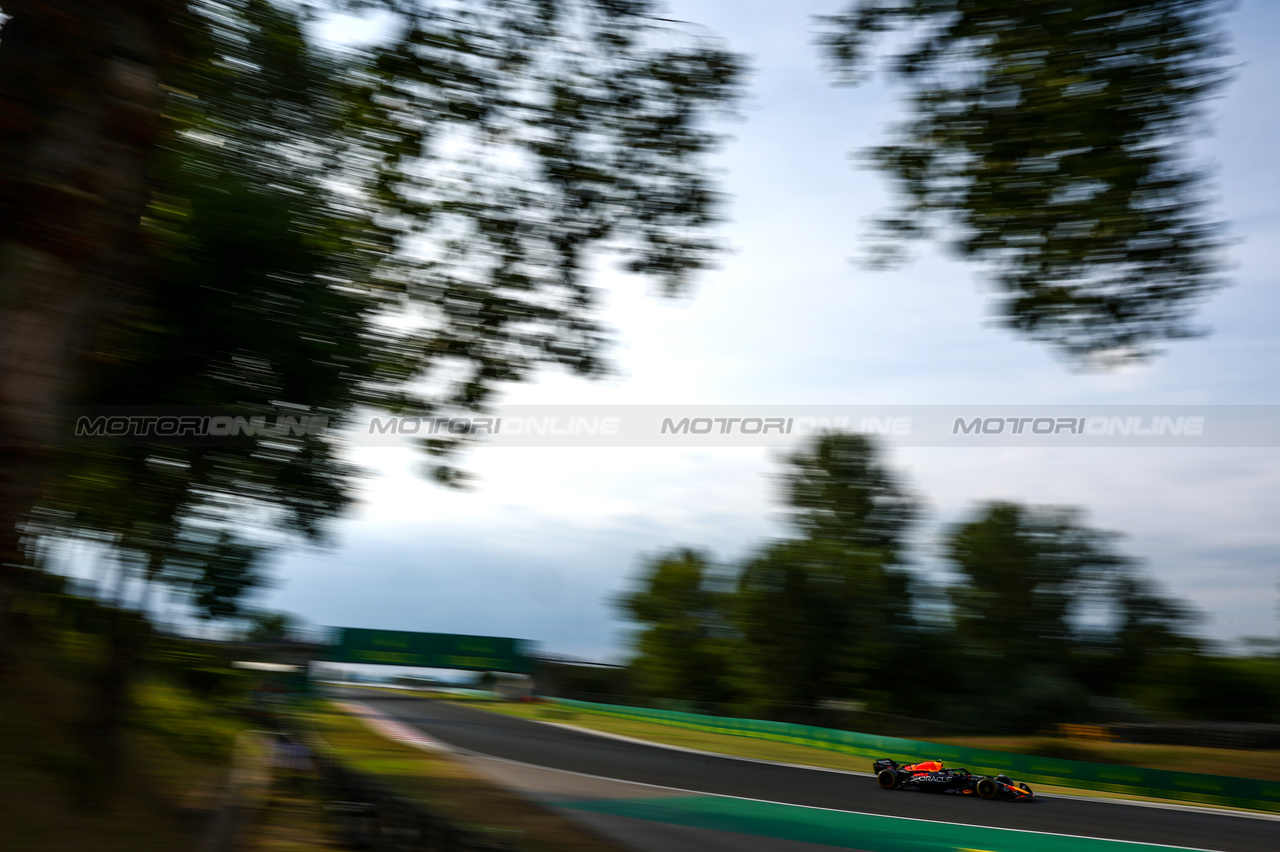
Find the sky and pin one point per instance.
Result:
(548, 537)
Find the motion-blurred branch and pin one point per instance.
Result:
(1051, 137)
(200, 207)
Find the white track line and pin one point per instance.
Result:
(1169, 806)
(471, 753)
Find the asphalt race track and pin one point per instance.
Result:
(506, 737)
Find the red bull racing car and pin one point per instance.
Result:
(931, 777)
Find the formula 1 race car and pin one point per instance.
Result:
(931, 777)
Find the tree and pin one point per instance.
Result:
(579, 123)
(1025, 574)
(238, 311)
(220, 569)
(80, 113)
(821, 621)
(823, 613)
(1147, 625)
(270, 627)
(838, 491)
(1051, 138)
(814, 617)
(1210, 688)
(686, 648)
(1028, 580)
(463, 174)
(198, 208)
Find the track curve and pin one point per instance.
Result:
(496, 735)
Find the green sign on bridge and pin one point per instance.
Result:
(428, 650)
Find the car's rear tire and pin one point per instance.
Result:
(888, 779)
(987, 788)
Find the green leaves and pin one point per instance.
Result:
(805, 619)
(687, 645)
(406, 226)
(839, 491)
(1026, 574)
(511, 142)
(821, 619)
(1048, 141)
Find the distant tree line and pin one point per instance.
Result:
(1044, 621)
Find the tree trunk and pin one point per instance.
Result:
(79, 116)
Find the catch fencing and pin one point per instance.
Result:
(1157, 783)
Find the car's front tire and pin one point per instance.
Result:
(888, 779)
(987, 788)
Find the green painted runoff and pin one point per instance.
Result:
(842, 829)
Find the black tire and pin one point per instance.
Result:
(987, 788)
(888, 779)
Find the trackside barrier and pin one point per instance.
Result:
(1158, 783)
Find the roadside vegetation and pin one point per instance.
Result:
(447, 785)
(1029, 618)
(150, 771)
(158, 768)
(160, 794)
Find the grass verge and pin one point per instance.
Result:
(448, 786)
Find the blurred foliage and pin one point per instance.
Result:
(1051, 137)
(504, 142)
(203, 670)
(840, 492)
(222, 570)
(1032, 586)
(185, 723)
(687, 647)
(1195, 686)
(87, 743)
(202, 210)
(270, 626)
(251, 304)
(820, 621)
(405, 225)
(1025, 576)
(1043, 621)
(813, 618)
(823, 614)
